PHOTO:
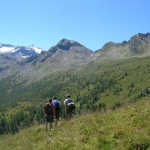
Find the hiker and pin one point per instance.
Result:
(69, 106)
(50, 113)
(56, 103)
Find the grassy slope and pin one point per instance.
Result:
(126, 128)
(131, 76)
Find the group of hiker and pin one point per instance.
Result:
(52, 110)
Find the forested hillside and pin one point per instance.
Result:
(97, 85)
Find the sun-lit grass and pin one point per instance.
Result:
(126, 128)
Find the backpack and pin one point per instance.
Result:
(71, 105)
(48, 109)
(56, 104)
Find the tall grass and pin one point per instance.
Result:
(126, 128)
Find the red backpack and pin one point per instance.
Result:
(48, 109)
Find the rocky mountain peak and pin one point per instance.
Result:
(65, 44)
(141, 35)
(139, 43)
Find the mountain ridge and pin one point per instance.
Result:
(69, 54)
(136, 40)
(136, 45)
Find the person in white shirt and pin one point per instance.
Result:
(68, 110)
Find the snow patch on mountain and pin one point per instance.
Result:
(19, 52)
(37, 50)
(25, 56)
(7, 49)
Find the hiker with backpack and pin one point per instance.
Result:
(49, 110)
(69, 106)
(56, 103)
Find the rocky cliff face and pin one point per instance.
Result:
(139, 43)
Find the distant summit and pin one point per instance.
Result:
(137, 45)
(140, 43)
(66, 53)
(70, 46)
(19, 52)
(65, 44)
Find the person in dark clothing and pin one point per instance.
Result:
(56, 103)
(50, 113)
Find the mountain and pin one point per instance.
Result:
(137, 46)
(19, 52)
(67, 53)
(67, 56)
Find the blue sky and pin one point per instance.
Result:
(44, 23)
